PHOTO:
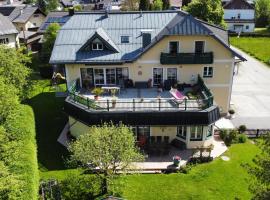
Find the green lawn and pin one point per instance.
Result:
(259, 47)
(216, 180)
(50, 120)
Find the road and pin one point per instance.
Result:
(251, 94)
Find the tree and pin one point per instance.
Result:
(13, 69)
(108, 148)
(48, 5)
(157, 5)
(166, 4)
(262, 13)
(144, 5)
(130, 5)
(49, 39)
(261, 171)
(207, 10)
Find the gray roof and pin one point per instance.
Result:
(6, 26)
(82, 26)
(15, 15)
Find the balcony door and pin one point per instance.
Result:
(87, 75)
(199, 46)
(157, 76)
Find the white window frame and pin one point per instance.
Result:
(172, 68)
(196, 138)
(97, 48)
(207, 72)
(153, 75)
(180, 132)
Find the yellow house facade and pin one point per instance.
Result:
(159, 53)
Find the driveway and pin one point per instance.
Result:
(251, 94)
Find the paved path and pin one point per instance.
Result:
(251, 94)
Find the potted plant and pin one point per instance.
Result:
(113, 92)
(176, 160)
(97, 91)
(231, 112)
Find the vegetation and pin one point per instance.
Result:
(108, 148)
(49, 39)
(232, 136)
(157, 5)
(48, 5)
(222, 179)
(166, 4)
(130, 5)
(207, 10)
(262, 13)
(261, 172)
(97, 91)
(259, 47)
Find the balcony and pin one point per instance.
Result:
(145, 106)
(187, 58)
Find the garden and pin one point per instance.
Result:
(258, 47)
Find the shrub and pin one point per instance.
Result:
(198, 160)
(82, 187)
(20, 154)
(223, 133)
(242, 128)
(242, 138)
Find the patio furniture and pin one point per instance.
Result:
(110, 88)
(178, 96)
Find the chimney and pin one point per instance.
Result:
(146, 38)
(71, 11)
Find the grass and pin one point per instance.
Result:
(50, 120)
(258, 47)
(216, 180)
(262, 30)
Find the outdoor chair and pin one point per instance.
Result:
(178, 96)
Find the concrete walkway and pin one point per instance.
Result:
(251, 94)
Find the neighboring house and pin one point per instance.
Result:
(176, 4)
(239, 16)
(27, 20)
(8, 32)
(144, 54)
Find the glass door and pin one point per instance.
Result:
(157, 76)
(172, 74)
(110, 76)
(99, 76)
(87, 77)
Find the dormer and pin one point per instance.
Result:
(99, 41)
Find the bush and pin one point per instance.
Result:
(198, 160)
(20, 154)
(242, 129)
(242, 138)
(228, 136)
(223, 133)
(82, 187)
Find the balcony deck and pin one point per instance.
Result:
(134, 99)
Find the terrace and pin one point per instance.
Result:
(146, 99)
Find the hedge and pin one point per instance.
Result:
(20, 125)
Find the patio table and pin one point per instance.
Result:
(110, 88)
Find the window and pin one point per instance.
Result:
(247, 27)
(141, 131)
(172, 74)
(157, 76)
(36, 15)
(87, 75)
(181, 132)
(110, 76)
(99, 77)
(199, 46)
(210, 131)
(97, 45)
(4, 41)
(173, 47)
(121, 74)
(208, 72)
(196, 133)
(124, 39)
(239, 16)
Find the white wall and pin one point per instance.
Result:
(12, 40)
(244, 13)
(250, 28)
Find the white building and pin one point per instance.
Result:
(8, 32)
(239, 16)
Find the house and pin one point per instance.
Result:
(239, 16)
(147, 63)
(8, 32)
(27, 20)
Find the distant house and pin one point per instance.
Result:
(8, 32)
(239, 16)
(27, 20)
